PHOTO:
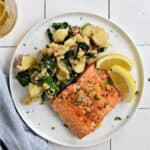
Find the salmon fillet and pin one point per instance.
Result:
(84, 104)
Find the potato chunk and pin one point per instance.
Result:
(78, 65)
(100, 38)
(63, 73)
(80, 38)
(60, 35)
(54, 49)
(26, 61)
(70, 42)
(34, 90)
(88, 31)
(98, 35)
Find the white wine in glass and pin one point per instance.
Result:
(8, 16)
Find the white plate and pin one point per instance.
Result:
(40, 118)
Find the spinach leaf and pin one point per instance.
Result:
(67, 64)
(52, 91)
(73, 76)
(62, 25)
(24, 77)
(34, 69)
(50, 35)
(70, 54)
(52, 83)
(101, 49)
(91, 55)
(49, 62)
(83, 46)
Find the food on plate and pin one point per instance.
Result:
(107, 61)
(25, 62)
(97, 35)
(57, 65)
(82, 85)
(60, 35)
(83, 104)
(123, 81)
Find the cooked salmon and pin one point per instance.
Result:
(84, 104)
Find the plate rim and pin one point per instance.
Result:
(124, 123)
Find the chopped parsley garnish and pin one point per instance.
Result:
(53, 128)
(78, 90)
(78, 100)
(65, 125)
(137, 92)
(110, 82)
(117, 118)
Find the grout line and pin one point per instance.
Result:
(144, 108)
(109, 9)
(110, 146)
(44, 9)
(13, 46)
(142, 44)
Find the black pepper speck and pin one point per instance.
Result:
(27, 112)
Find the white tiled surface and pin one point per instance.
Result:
(104, 146)
(136, 135)
(58, 6)
(134, 16)
(145, 55)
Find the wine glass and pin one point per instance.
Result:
(8, 16)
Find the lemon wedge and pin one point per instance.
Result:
(109, 60)
(123, 81)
